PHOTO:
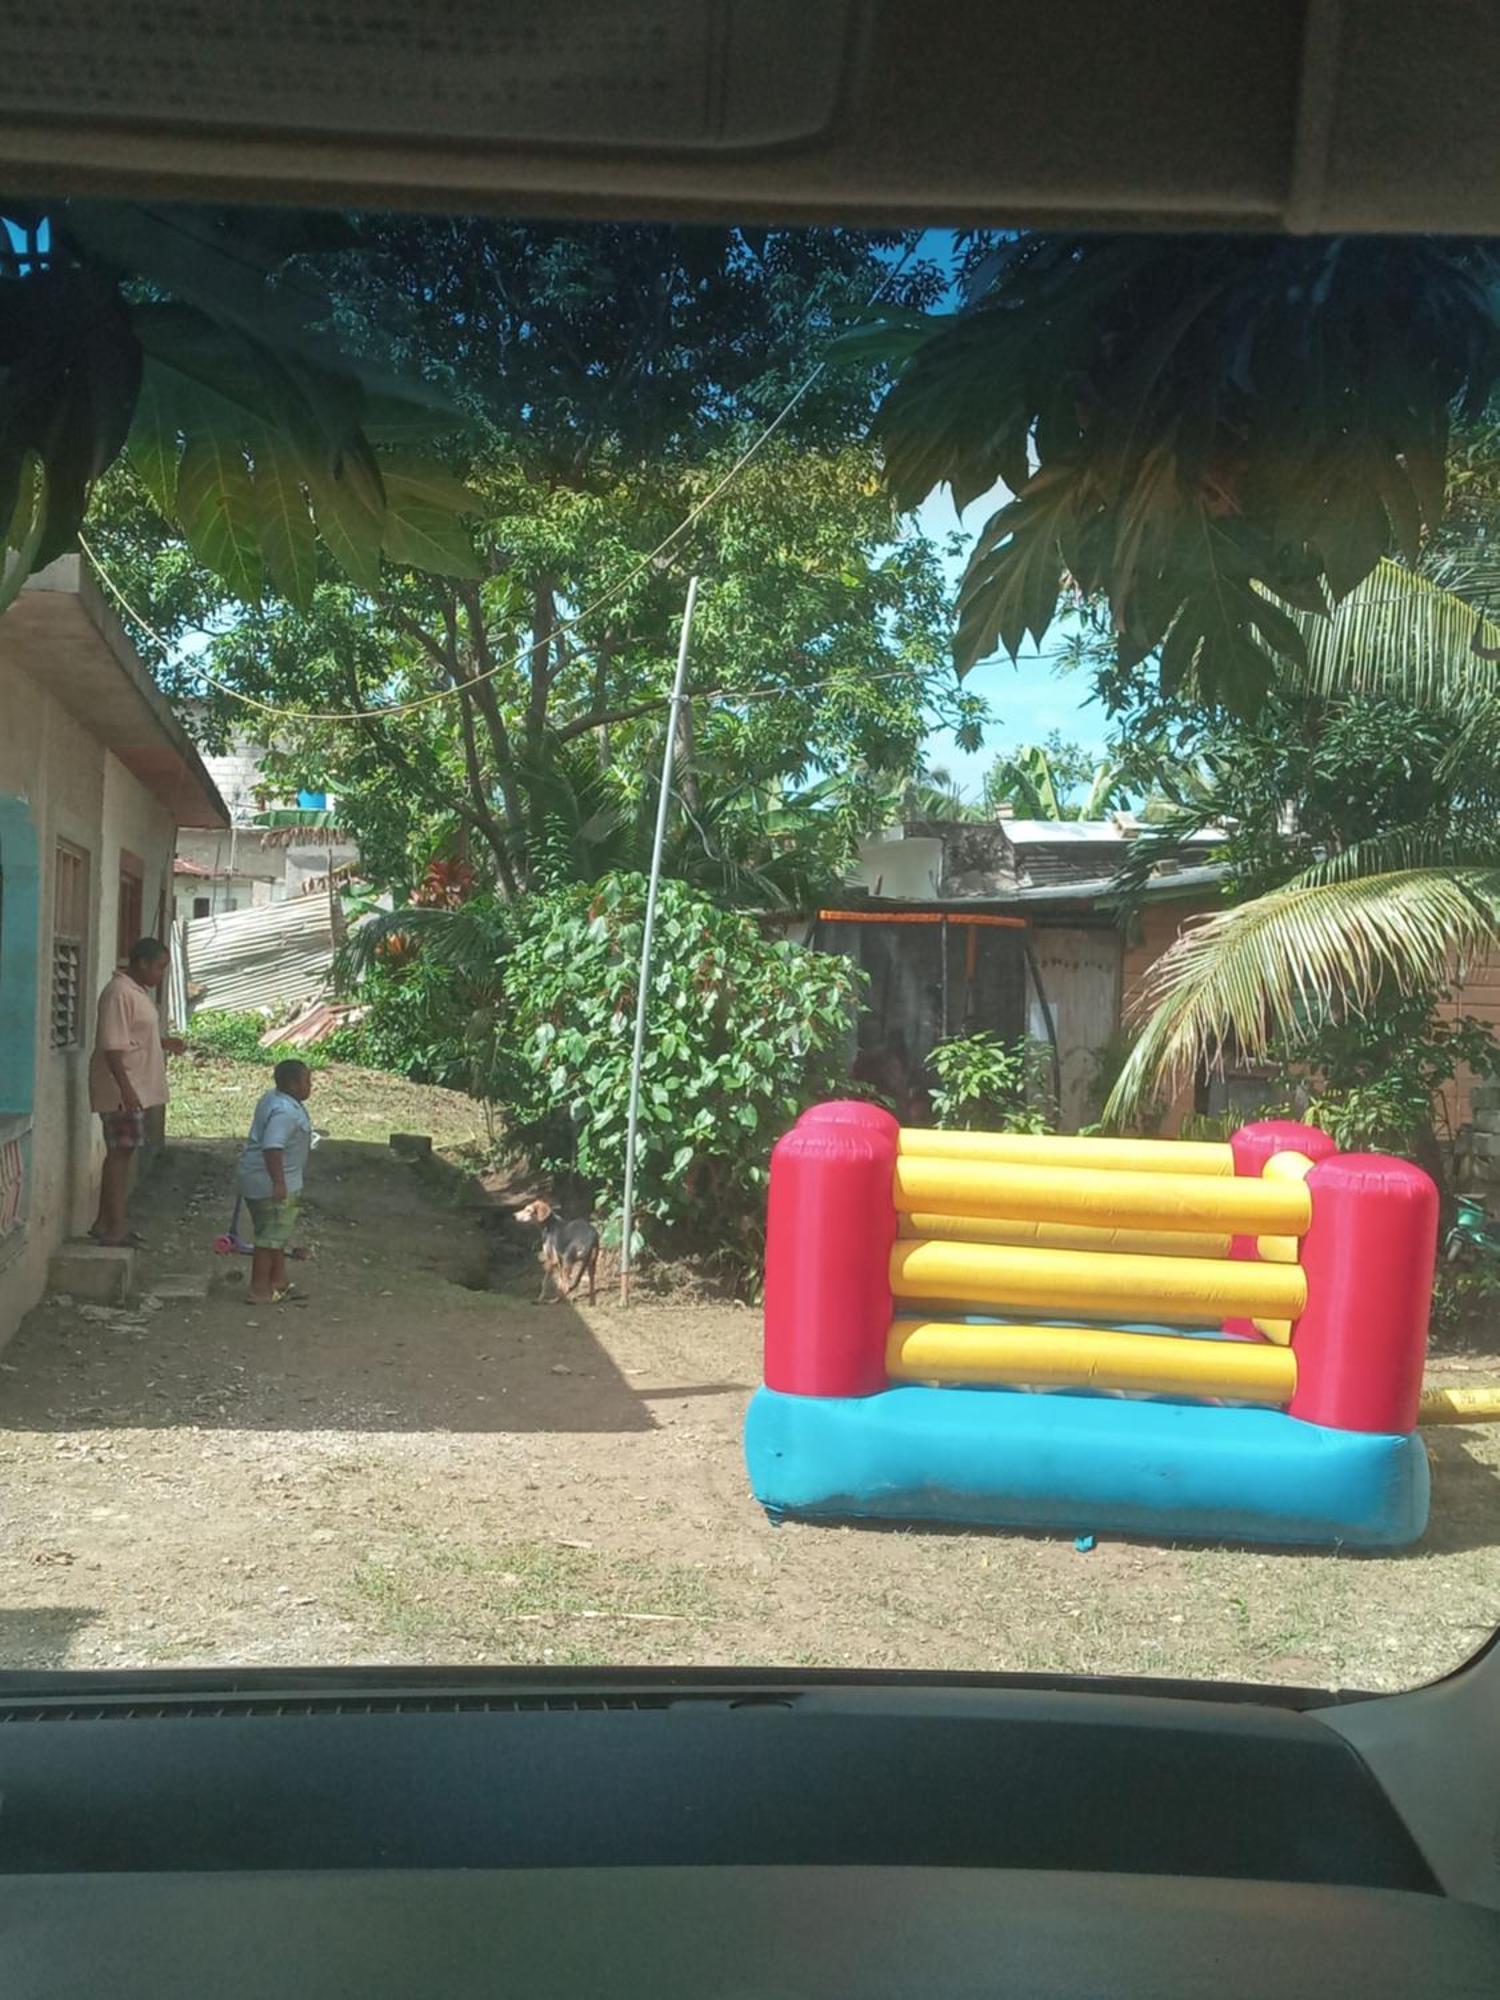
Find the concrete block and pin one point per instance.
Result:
(412, 1145)
(92, 1271)
(1485, 1097)
(1487, 1145)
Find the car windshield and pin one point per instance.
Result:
(747, 946)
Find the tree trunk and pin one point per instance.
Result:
(603, 661)
(683, 761)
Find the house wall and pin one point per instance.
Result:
(237, 774)
(137, 824)
(1079, 970)
(1477, 994)
(244, 874)
(253, 866)
(224, 894)
(57, 783)
(1156, 927)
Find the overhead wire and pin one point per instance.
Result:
(730, 696)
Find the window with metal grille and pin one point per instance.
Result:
(70, 904)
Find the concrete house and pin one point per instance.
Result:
(1064, 975)
(246, 867)
(96, 777)
(275, 846)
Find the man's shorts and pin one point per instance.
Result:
(124, 1131)
(272, 1222)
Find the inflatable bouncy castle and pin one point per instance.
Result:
(1147, 1336)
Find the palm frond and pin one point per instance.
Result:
(468, 941)
(1439, 843)
(1474, 739)
(1238, 979)
(1399, 632)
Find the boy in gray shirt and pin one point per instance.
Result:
(271, 1170)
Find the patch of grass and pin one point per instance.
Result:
(213, 1097)
(508, 1598)
(380, 1587)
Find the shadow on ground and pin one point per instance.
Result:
(402, 1329)
(1465, 1494)
(41, 1637)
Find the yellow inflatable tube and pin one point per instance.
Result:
(1078, 1357)
(1061, 1235)
(1026, 1149)
(1294, 1167)
(1102, 1198)
(1178, 1291)
(1289, 1169)
(1460, 1406)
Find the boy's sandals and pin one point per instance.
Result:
(131, 1240)
(289, 1296)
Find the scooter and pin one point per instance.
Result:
(1472, 1237)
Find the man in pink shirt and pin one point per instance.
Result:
(127, 1077)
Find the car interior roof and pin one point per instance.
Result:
(1301, 115)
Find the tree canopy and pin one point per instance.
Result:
(1053, 779)
(610, 381)
(1205, 434)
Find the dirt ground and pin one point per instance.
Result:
(422, 1465)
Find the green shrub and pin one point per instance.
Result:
(989, 1085)
(743, 1033)
(346, 1044)
(1107, 1064)
(415, 1023)
(1465, 1306)
(1375, 1080)
(219, 1032)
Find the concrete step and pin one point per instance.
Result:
(93, 1271)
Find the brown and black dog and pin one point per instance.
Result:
(567, 1248)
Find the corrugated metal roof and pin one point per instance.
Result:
(275, 955)
(1090, 832)
(1171, 882)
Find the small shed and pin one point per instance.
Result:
(934, 970)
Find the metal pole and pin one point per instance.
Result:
(632, 1117)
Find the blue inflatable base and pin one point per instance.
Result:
(1081, 1463)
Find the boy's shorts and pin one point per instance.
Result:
(272, 1222)
(124, 1131)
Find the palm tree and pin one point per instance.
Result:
(1402, 909)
